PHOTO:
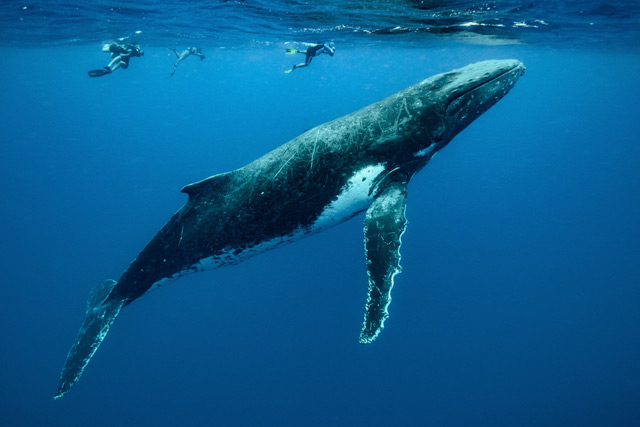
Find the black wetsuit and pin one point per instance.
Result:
(315, 51)
(124, 52)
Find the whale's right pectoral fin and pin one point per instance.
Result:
(101, 312)
(384, 225)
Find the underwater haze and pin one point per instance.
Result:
(519, 297)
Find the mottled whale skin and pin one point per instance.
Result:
(327, 175)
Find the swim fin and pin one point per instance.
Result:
(301, 65)
(291, 51)
(99, 73)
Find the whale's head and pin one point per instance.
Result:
(470, 91)
(447, 103)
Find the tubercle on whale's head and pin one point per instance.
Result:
(451, 101)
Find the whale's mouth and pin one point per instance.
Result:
(515, 67)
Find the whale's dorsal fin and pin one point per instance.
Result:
(384, 225)
(213, 184)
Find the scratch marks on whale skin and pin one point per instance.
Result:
(318, 136)
(283, 165)
(402, 108)
(313, 153)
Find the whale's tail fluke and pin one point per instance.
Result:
(101, 312)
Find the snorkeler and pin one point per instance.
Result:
(120, 54)
(311, 52)
(182, 55)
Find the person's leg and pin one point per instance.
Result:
(115, 63)
(294, 67)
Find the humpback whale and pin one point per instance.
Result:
(359, 162)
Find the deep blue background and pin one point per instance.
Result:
(519, 303)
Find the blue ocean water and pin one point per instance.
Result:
(519, 299)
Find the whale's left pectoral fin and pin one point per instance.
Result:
(384, 225)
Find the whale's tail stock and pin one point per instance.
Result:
(101, 312)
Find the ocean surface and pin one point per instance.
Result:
(519, 300)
